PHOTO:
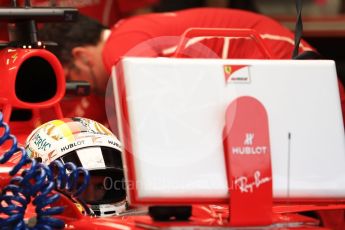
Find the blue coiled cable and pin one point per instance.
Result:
(69, 184)
(36, 181)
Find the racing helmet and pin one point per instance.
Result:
(90, 145)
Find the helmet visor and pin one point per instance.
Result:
(107, 183)
(105, 187)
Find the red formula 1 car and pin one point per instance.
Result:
(30, 198)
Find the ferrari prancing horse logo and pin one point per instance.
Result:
(236, 73)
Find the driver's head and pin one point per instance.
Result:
(95, 192)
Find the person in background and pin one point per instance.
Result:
(91, 55)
